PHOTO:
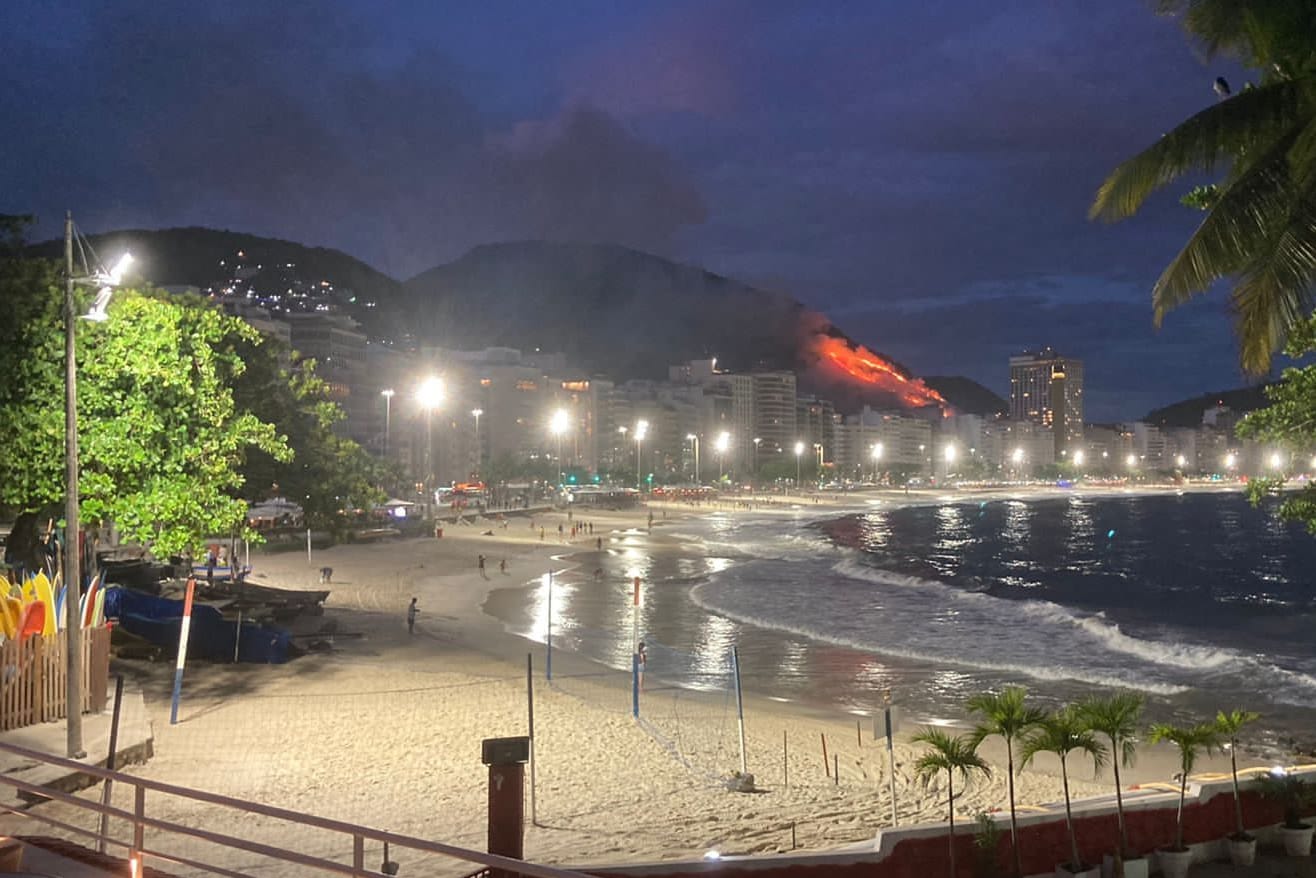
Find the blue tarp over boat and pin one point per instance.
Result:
(211, 637)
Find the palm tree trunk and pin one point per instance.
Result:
(1076, 863)
(1014, 825)
(950, 788)
(1178, 822)
(1119, 811)
(1238, 803)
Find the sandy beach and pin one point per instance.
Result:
(385, 728)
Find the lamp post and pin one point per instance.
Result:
(430, 397)
(641, 430)
(1017, 456)
(758, 440)
(949, 454)
(106, 281)
(695, 440)
(479, 449)
(722, 444)
(877, 458)
(388, 394)
(799, 452)
(557, 425)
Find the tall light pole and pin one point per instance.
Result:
(949, 454)
(106, 281)
(722, 444)
(641, 430)
(758, 440)
(799, 452)
(695, 439)
(557, 425)
(479, 449)
(388, 394)
(877, 457)
(430, 397)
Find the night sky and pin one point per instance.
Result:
(919, 171)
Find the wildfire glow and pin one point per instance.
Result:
(863, 365)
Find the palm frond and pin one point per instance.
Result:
(1116, 717)
(1191, 741)
(954, 754)
(1274, 293)
(1004, 713)
(1214, 137)
(1238, 224)
(1062, 733)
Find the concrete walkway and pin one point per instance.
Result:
(135, 745)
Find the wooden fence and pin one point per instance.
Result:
(33, 677)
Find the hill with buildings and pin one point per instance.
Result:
(1188, 412)
(280, 274)
(620, 312)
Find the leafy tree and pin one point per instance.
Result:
(955, 756)
(1062, 733)
(1005, 714)
(327, 473)
(1230, 726)
(1192, 742)
(1116, 717)
(1289, 420)
(159, 433)
(1260, 226)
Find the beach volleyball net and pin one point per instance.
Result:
(684, 701)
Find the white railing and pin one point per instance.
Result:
(354, 837)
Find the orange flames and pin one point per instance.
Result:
(872, 369)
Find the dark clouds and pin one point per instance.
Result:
(920, 171)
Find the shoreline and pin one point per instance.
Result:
(384, 730)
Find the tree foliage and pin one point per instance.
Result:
(957, 757)
(1260, 225)
(1062, 733)
(1289, 421)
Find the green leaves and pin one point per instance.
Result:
(1260, 227)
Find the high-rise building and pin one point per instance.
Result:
(1047, 389)
(774, 412)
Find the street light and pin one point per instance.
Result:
(758, 440)
(799, 452)
(430, 396)
(388, 394)
(479, 449)
(1231, 460)
(722, 444)
(641, 430)
(695, 439)
(557, 425)
(877, 457)
(1131, 460)
(1078, 458)
(1276, 460)
(105, 281)
(1180, 460)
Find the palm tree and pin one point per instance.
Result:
(1229, 725)
(1004, 713)
(1062, 733)
(1260, 228)
(1116, 717)
(1192, 741)
(958, 755)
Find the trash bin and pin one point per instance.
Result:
(438, 531)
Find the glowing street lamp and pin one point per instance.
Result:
(1231, 461)
(758, 440)
(105, 281)
(877, 457)
(1131, 460)
(429, 395)
(695, 441)
(641, 431)
(1276, 460)
(1180, 460)
(1078, 458)
(558, 424)
(722, 444)
(1017, 457)
(388, 393)
(799, 452)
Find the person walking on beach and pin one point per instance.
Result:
(411, 616)
(643, 660)
(502, 566)
(481, 563)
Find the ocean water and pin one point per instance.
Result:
(1198, 600)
